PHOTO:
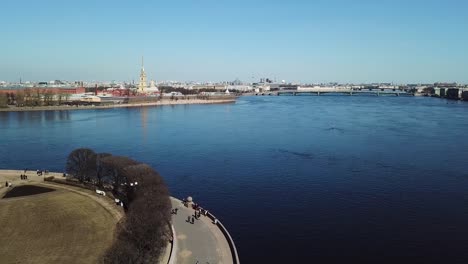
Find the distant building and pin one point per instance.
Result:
(220, 87)
(447, 85)
(283, 87)
(54, 90)
(242, 88)
(152, 89)
(142, 85)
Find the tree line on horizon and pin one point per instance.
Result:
(143, 234)
(33, 97)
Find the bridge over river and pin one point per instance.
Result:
(318, 92)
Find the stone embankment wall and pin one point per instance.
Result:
(232, 246)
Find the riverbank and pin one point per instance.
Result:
(217, 246)
(88, 107)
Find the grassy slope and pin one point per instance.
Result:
(55, 227)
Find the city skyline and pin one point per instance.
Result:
(364, 42)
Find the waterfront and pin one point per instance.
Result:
(331, 178)
(163, 102)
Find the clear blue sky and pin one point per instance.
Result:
(211, 40)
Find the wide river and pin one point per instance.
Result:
(301, 179)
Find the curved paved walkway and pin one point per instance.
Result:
(202, 241)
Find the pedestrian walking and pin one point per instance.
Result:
(175, 210)
(188, 219)
(193, 220)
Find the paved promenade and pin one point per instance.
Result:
(202, 241)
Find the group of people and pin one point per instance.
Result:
(8, 184)
(185, 202)
(191, 219)
(199, 211)
(196, 206)
(40, 172)
(174, 211)
(197, 214)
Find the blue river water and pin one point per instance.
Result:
(304, 179)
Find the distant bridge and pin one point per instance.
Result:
(318, 92)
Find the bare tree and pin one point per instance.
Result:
(100, 169)
(3, 100)
(19, 98)
(28, 97)
(146, 230)
(48, 97)
(11, 98)
(147, 178)
(113, 171)
(81, 163)
(59, 98)
(37, 97)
